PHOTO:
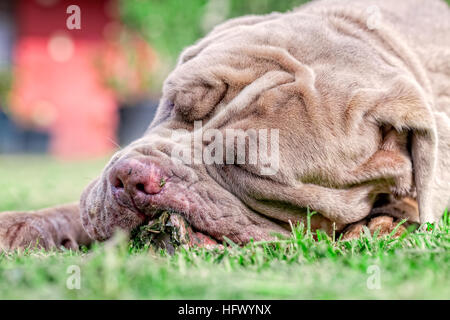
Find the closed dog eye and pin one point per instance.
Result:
(196, 100)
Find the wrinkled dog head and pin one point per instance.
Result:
(266, 117)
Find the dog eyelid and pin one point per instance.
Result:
(169, 105)
(168, 109)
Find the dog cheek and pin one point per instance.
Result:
(92, 215)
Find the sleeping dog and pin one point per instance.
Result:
(339, 107)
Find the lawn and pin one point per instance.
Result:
(413, 267)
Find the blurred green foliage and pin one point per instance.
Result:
(171, 25)
(168, 25)
(5, 86)
(239, 7)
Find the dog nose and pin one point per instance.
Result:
(137, 178)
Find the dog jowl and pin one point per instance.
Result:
(270, 116)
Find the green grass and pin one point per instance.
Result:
(415, 266)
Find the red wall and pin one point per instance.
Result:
(56, 82)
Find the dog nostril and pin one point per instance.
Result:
(118, 184)
(140, 187)
(147, 188)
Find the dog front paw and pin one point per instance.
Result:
(44, 229)
(383, 225)
(20, 230)
(385, 219)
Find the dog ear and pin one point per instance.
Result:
(405, 107)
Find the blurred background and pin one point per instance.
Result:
(77, 93)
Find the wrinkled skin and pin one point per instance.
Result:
(357, 134)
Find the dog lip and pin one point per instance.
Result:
(154, 207)
(133, 208)
(139, 212)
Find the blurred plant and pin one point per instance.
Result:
(239, 7)
(126, 64)
(171, 25)
(5, 87)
